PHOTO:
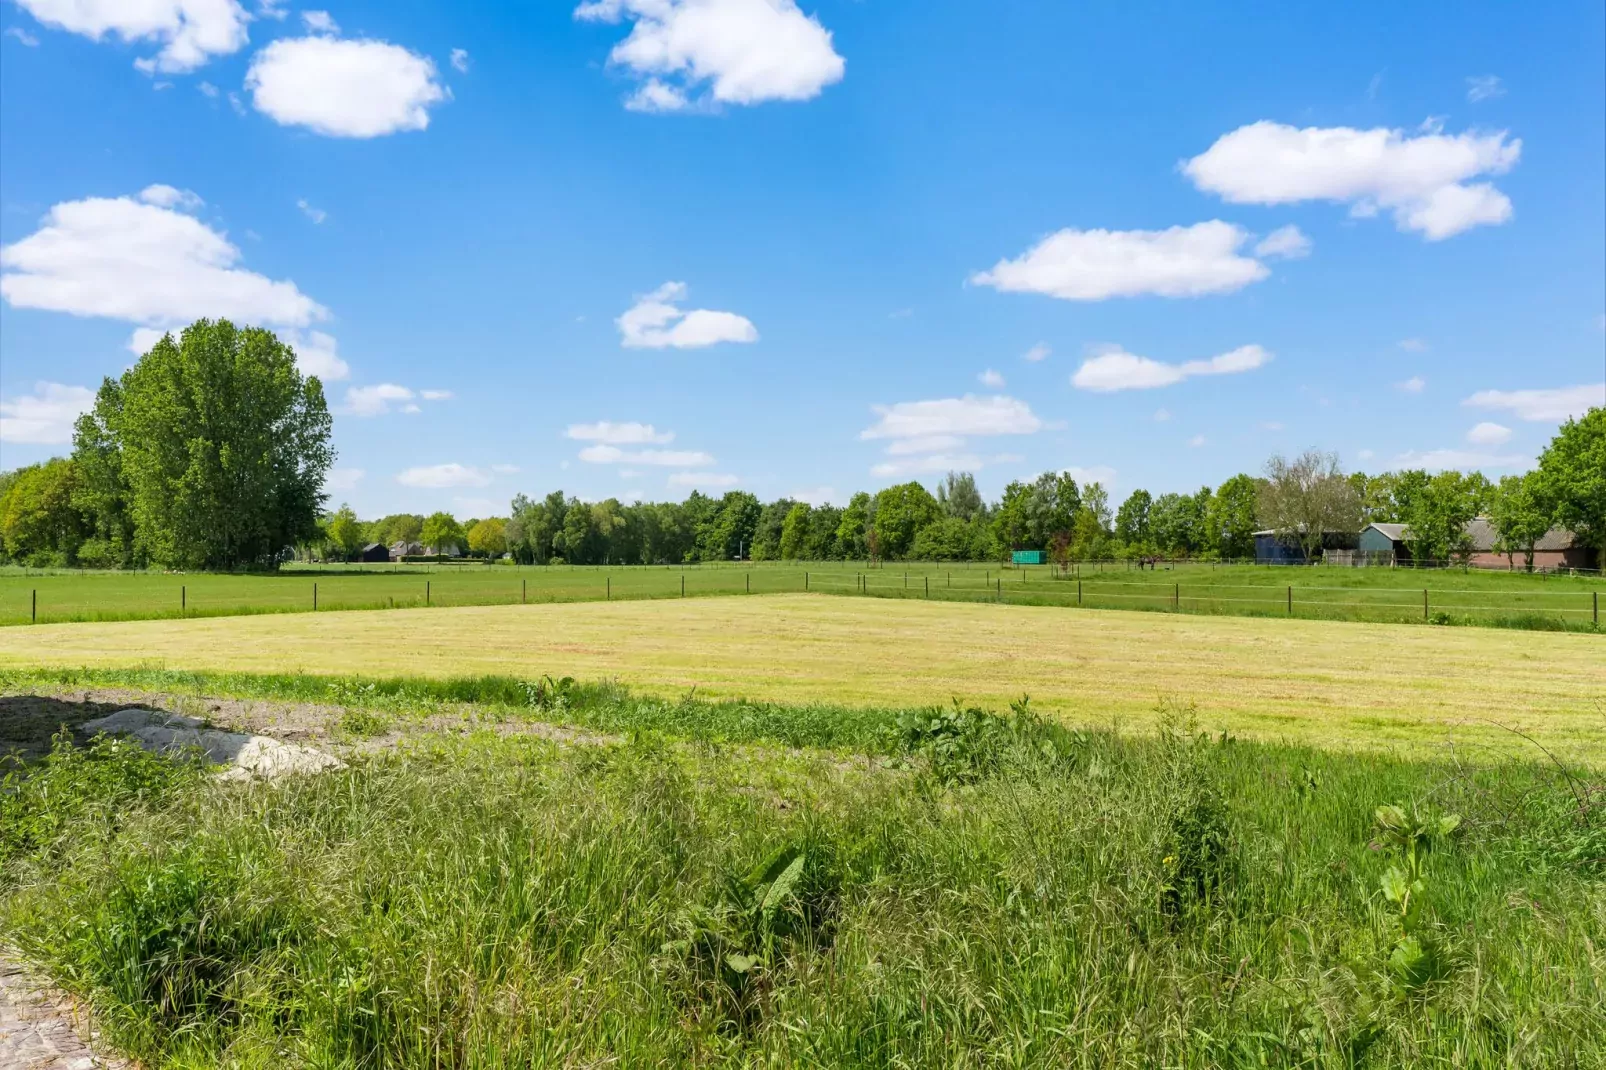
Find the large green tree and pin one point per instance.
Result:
(1437, 515)
(222, 447)
(1522, 512)
(1231, 516)
(901, 511)
(346, 531)
(1306, 498)
(39, 523)
(440, 532)
(1572, 471)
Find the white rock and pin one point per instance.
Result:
(245, 755)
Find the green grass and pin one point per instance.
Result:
(942, 890)
(1454, 596)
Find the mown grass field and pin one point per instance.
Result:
(1242, 590)
(1361, 686)
(707, 887)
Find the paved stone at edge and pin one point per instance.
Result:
(244, 755)
(39, 1027)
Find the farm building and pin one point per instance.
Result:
(1559, 549)
(1270, 549)
(399, 550)
(374, 551)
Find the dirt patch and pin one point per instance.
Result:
(42, 1028)
(28, 721)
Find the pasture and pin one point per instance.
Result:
(1382, 595)
(1347, 685)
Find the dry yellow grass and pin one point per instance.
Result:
(1343, 684)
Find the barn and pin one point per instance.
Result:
(1559, 549)
(374, 551)
(1272, 549)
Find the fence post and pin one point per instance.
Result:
(683, 585)
(524, 591)
(928, 586)
(315, 598)
(1078, 592)
(1000, 588)
(183, 599)
(1424, 603)
(805, 580)
(35, 617)
(749, 583)
(426, 592)
(1596, 595)
(607, 591)
(1290, 600)
(1176, 598)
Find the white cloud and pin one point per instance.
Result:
(929, 464)
(1287, 243)
(1413, 345)
(46, 416)
(991, 379)
(1439, 460)
(436, 395)
(317, 354)
(815, 495)
(317, 215)
(1093, 265)
(1196, 441)
(969, 415)
(143, 338)
(190, 31)
(460, 60)
(171, 197)
(1489, 434)
(1420, 178)
(377, 400)
(603, 453)
(319, 22)
(1162, 415)
(744, 51)
(1542, 405)
(344, 88)
(1037, 353)
(654, 322)
(619, 434)
(143, 263)
(342, 480)
(1484, 87)
(1414, 385)
(272, 9)
(439, 476)
(207, 89)
(703, 479)
(236, 103)
(1116, 369)
(28, 40)
(900, 447)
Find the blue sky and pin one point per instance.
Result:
(645, 245)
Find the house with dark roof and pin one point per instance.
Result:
(1559, 549)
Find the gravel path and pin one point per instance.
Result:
(42, 1029)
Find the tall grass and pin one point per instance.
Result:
(988, 892)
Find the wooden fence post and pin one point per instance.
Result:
(183, 600)
(426, 592)
(315, 598)
(1290, 600)
(35, 619)
(1424, 603)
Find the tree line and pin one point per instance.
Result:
(211, 452)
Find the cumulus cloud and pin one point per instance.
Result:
(931, 436)
(342, 480)
(319, 22)
(378, 399)
(1484, 87)
(628, 433)
(440, 476)
(1563, 403)
(711, 52)
(815, 495)
(991, 378)
(1414, 385)
(1466, 460)
(342, 88)
(435, 395)
(1037, 353)
(603, 453)
(46, 416)
(143, 262)
(1422, 179)
(1093, 265)
(969, 415)
(317, 354)
(655, 322)
(1287, 243)
(1489, 434)
(1115, 369)
(190, 31)
(709, 480)
(164, 196)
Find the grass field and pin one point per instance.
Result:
(1363, 686)
(967, 891)
(1240, 590)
